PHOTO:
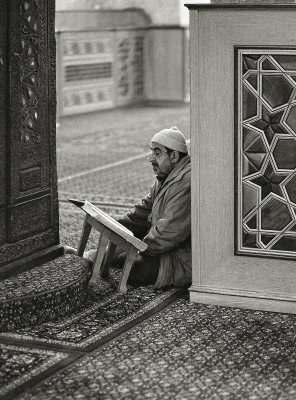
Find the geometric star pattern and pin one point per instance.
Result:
(266, 150)
(269, 181)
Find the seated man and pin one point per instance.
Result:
(163, 218)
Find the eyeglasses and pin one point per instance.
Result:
(152, 156)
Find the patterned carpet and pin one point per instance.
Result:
(106, 311)
(49, 291)
(151, 345)
(187, 351)
(29, 354)
(20, 366)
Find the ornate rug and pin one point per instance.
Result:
(30, 354)
(105, 314)
(46, 292)
(187, 351)
(21, 367)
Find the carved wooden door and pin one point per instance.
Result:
(2, 118)
(28, 182)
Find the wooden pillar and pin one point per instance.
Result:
(28, 179)
(243, 148)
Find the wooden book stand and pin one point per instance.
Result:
(112, 234)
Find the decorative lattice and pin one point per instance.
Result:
(266, 152)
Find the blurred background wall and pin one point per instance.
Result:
(112, 53)
(166, 12)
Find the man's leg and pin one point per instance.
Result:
(144, 270)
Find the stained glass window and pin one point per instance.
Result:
(266, 152)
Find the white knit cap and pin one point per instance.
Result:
(171, 138)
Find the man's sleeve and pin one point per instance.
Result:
(175, 226)
(138, 217)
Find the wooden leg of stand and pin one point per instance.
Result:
(103, 241)
(108, 259)
(130, 259)
(84, 237)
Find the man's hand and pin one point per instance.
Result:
(139, 258)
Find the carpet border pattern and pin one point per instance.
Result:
(54, 359)
(107, 333)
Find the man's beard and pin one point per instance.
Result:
(156, 168)
(159, 174)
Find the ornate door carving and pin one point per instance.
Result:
(2, 119)
(28, 182)
(266, 152)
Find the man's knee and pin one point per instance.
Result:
(145, 270)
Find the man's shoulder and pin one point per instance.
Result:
(183, 177)
(186, 171)
(186, 178)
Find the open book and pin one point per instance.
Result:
(109, 223)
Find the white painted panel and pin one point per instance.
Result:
(214, 33)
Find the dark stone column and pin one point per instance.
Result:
(29, 231)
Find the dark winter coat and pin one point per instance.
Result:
(166, 213)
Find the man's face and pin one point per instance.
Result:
(160, 160)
